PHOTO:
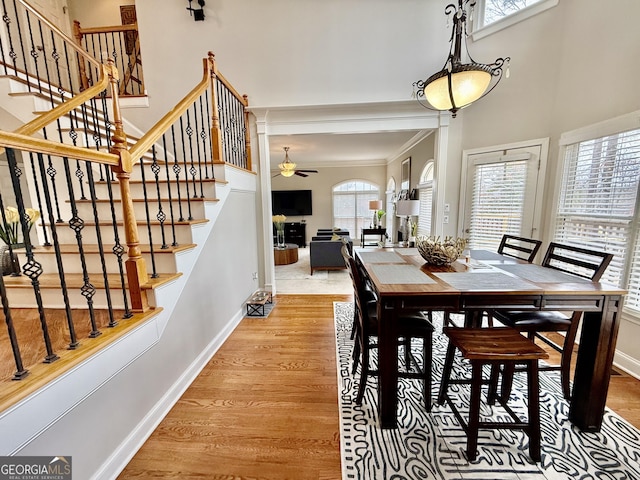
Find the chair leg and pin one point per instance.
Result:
(446, 373)
(534, 409)
(356, 354)
(508, 371)
(474, 410)
(426, 369)
(492, 394)
(407, 352)
(364, 373)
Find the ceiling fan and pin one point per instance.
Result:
(288, 168)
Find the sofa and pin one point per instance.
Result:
(325, 252)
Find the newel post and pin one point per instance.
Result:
(247, 139)
(135, 264)
(82, 68)
(216, 133)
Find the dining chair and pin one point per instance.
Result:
(408, 327)
(513, 246)
(519, 247)
(493, 347)
(581, 262)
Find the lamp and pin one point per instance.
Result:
(198, 13)
(459, 84)
(407, 209)
(375, 205)
(287, 167)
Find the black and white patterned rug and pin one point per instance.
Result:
(431, 445)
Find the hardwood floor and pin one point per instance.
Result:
(265, 407)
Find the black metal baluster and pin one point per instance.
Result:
(191, 170)
(20, 372)
(154, 273)
(105, 277)
(24, 57)
(161, 216)
(39, 198)
(51, 171)
(241, 144)
(204, 137)
(119, 251)
(197, 137)
(97, 140)
(209, 143)
(33, 52)
(32, 268)
(186, 169)
(12, 54)
(72, 90)
(166, 167)
(56, 57)
(48, 87)
(176, 171)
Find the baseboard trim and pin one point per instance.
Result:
(627, 364)
(139, 435)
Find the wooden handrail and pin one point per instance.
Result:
(45, 119)
(60, 33)
(24, 142)
(155, 132)
(112, 28)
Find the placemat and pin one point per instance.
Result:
(538, 274)
(391, 274)
(485, 281)
(407, 251)
(487, 255)
(380, 257)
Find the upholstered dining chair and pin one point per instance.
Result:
(581, 262)
(513, 246)
(408, 327)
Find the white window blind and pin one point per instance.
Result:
(426, 205)
(597, 204)
(498, 202)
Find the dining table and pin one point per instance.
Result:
(483, 281)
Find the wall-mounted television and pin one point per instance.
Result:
(291, 202)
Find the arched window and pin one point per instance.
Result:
(351, 205)
(425, 193)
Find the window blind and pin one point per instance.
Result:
(597, 205)
(498, 202)
(426, 207)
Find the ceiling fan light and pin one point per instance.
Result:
(287, 173)
(467, 86)
(287, 166)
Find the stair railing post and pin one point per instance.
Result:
(82, 69)
(247, 140)
(216, 133)
(135, 265)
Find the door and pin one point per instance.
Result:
(502, 195)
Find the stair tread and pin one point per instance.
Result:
(76, 280)
(142, 200)
(194, 221)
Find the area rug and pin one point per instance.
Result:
(432, 445)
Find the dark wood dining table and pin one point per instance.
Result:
(405, 283)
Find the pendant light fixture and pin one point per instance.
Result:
(287, 168)
(459, 84)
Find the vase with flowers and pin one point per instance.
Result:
(278, 223)
(10, 229)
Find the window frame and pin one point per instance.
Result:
(480, 30)
(605, 128)
(355, 192)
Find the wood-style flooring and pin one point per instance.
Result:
(265, 407)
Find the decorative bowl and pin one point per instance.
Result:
(437, 252)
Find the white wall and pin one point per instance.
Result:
(95, 13)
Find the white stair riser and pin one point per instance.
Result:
(165, 263)
(85, 210)
(137, 190)
(52, 298)
(68, 236)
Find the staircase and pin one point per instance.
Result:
(116, 285)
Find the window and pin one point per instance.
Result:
(494, 15)
(425, 189)
(597, 205)
(351, 205)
